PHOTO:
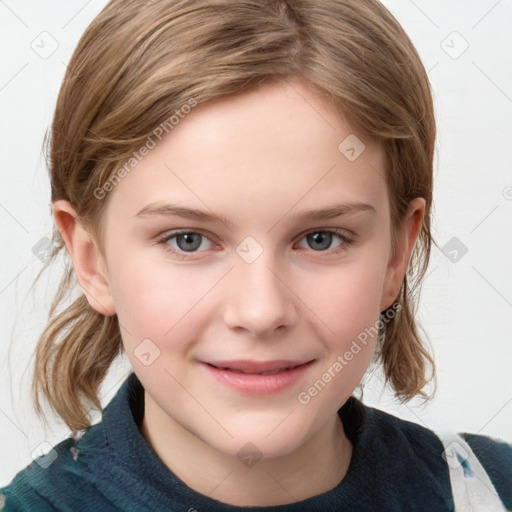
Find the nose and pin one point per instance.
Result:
(259, 298)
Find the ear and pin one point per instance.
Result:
(407, 236)
(87, 259)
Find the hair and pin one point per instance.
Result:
(139, 61)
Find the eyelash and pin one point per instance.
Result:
(345, 242)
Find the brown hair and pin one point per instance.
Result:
(139, 61)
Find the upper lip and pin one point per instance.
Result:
(247, 366)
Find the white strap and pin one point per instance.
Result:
(472, 488)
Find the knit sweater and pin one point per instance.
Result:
(396, 466)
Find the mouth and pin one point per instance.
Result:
(258, 368)
(258, 378)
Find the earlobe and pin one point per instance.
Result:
(406, 240)
(87, 259)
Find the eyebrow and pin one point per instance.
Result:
(330, 212)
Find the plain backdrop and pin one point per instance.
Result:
(466, 304)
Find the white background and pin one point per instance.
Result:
(466, 306)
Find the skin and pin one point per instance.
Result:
(258, 159)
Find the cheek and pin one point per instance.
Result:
(348, 309)
(347, 299)
(168, 304)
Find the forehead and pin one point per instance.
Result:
(263, 151)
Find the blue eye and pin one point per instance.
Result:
(319, 240)
(189, 241)
(322, 240)
(186, 241)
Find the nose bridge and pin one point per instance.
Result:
(260, 301)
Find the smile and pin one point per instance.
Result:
(258, 378)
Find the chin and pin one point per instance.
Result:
(257, 444)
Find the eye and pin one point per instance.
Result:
(185, 242)
(322, 240)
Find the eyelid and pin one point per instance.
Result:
(344, 233)
(174, 233)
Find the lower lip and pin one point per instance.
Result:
(256, 384)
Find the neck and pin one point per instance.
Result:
(317, 466)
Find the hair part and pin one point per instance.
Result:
(139, 61)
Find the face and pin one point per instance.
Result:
(254, 283)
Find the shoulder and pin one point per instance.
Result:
(413, 451)
(30, 488)
(55, 480)
(72, 476)
(404, 440)
(396, 462)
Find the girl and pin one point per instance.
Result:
(245, 192)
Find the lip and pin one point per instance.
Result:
(247, 378)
